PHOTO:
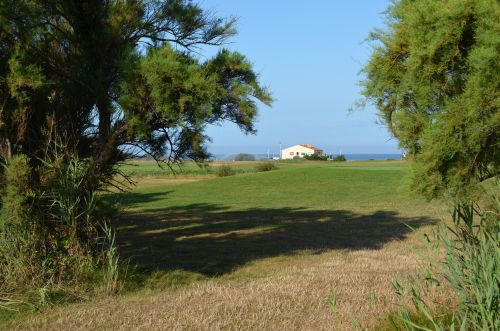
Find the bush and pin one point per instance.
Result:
(244, 157)
(470, 268)
(224, 171)
(339, 158)
(21, 247)
(316, 157)
(50, 231)
(266, 166)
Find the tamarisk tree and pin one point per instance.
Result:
(111, 77)
(434, 76)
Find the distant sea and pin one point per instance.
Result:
(349, 157)
(364, 157)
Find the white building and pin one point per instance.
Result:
(299, 151)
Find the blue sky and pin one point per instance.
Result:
(309, 54)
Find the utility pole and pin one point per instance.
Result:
(280, 150)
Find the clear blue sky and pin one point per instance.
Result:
(309, 53)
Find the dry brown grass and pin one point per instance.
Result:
(288, 293)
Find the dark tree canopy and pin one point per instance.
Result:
(110, 78)
(434, 76)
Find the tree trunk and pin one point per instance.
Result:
(5, 149)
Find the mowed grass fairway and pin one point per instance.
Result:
(260, 251)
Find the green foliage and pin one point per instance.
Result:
(16, 192)
(111, 261)
(266, 166)
(20, 247)
(470, 268)
(224, 171)
(244, 157)
(333, 302)
(339, 158)
(237, 90)
(316, 157)
(434, 76)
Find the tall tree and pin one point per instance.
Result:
(434, 76)
(111, 77)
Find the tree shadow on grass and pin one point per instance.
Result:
(212, 240)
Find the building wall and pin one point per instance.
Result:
(297, 150)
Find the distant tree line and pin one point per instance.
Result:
(244, 157)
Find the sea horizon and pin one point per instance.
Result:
(348, 156)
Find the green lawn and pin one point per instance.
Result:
(187, 169)
(191, 169)
(311, 185)
(213, 226)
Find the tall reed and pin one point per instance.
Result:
(469, 269)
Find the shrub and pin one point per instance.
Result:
(50, 228)
(266, 166)
(339, 158)
(21, 249)
(316, 157)
(244, 157)
(224, 171)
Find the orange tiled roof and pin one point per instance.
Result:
(312, 147)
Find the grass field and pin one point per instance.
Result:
(311, 246)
